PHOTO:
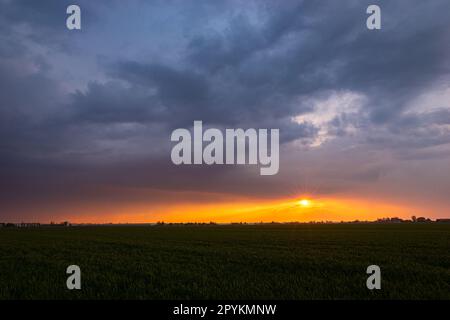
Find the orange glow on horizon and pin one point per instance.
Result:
(251, 210)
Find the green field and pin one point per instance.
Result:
(227, 262)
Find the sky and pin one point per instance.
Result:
(86, 115)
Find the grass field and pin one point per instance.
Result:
(227, 262)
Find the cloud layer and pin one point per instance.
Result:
(362, 113)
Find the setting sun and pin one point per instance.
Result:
(304, 203)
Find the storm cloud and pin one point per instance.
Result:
(360, 112)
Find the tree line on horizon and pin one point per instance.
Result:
(413, 219)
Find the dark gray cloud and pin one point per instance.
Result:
(102, 102)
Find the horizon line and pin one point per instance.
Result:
(156, 223)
